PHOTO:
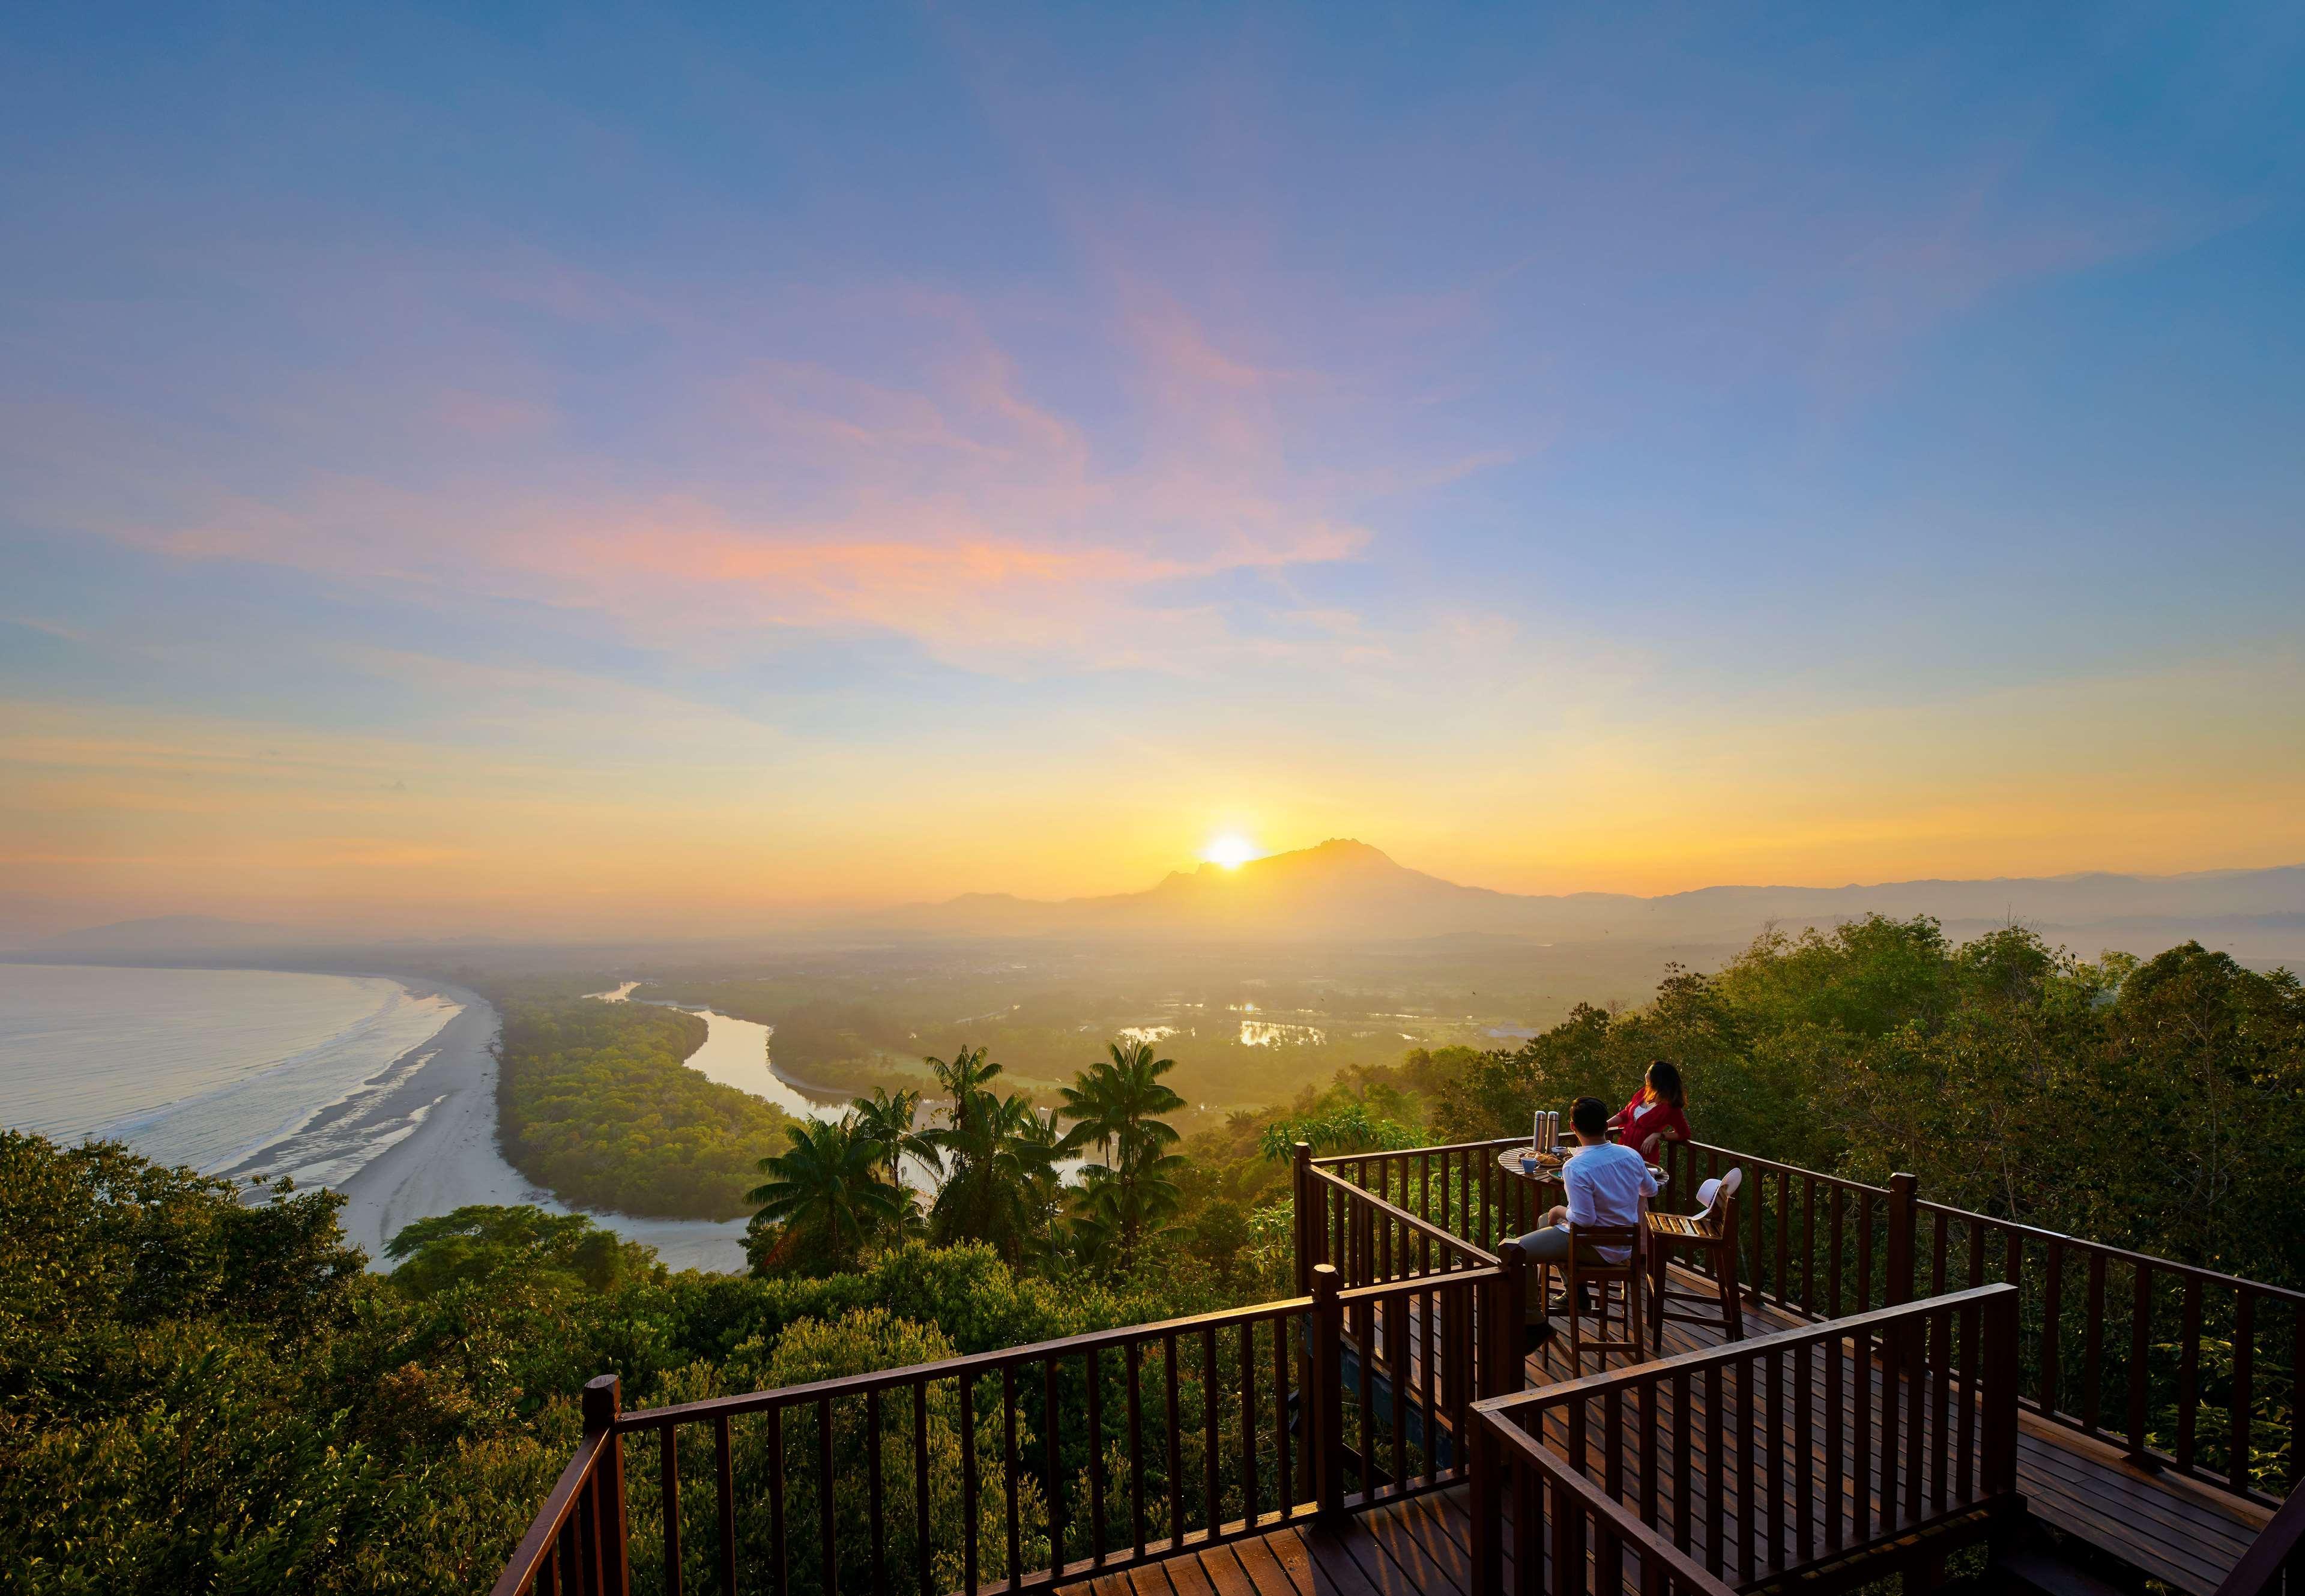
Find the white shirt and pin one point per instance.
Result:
(1606, 1183)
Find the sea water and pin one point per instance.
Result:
(204, 1067)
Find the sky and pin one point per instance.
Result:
(560, 470)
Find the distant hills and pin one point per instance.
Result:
(1345, 890)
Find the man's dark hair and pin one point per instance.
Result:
(1590, 1116)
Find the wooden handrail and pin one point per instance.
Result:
(1684, 1568)
(1410, 1153)
(968, 1365)
(2275, 1552)
(1741, 1351)
(1401, 1216)
(544, 1533)
(2168, 1266)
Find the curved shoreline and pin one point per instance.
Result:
(450, 1159)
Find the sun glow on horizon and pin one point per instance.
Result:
(1231, 851)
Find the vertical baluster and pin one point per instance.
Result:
(2053, 1299)
(1784, 1212)
(2244, 1370)
(1804, 1462)
(668, 1488)
(1746, 1493)
(1864, 1251)
(1568, 1564)
(1132, 1358)
(830, 1544)
(1915, 1372)
(1684, 1511)
(1837, 1201)
(1760, 1260)
(1396, 1329)
(1648, 1440)
(1210, 1454)
(2188, 1372)
(2140, 1350)
(969, 1526)
(1053, 1453)
(1860, 1440)
(1488, 1241)
(1010, 1472)
(726, 1487)
(1940, 1367)
(1176, 1453)
(875, 1506)
(1282, 1500)
(1095, 1459)
(2092, 1346)
(1831, 1351)
(1937, 1253)
(1891, 1407)
(1969, 1413)
(1428, 1304)
(1362, 1328)
(1613, 1442)
(1717, 1471)
(585, 1571)
(1249, 1492)
(922, 1540)
(1808, 1246)
(1774, 1430)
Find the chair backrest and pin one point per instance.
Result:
(1627, 1236)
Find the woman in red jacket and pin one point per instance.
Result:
(1654, 1113)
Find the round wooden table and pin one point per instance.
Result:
(1549, 1175)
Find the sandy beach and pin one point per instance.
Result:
(444, 1112)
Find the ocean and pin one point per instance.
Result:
(204, 1067)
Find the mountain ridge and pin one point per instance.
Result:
(1346, 889)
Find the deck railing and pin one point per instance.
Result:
(1026, 1467)
(2179, 1367)
(1756, 1460)
(1036, 1465)
(2274, 1563)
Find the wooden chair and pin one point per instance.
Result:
(1616, 1286)
(1711, 1235)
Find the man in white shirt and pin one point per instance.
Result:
(1606, 1184)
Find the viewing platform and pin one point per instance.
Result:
(1905, 1380)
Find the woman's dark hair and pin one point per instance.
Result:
(1665, 1076)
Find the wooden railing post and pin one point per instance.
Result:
(1488, 1507)
(1309, 1232)
(1904, 1225)
(1327, 1403)
(1501, 1371)
(1997, 1393)
(602, 1399)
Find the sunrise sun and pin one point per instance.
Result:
(1230, 851)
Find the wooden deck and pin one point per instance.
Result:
(2184, 1534)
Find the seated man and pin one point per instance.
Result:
(1606, 1184)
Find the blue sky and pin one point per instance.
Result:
(478, 463)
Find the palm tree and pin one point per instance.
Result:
(827, 1191)
(965, 1078)
(1115, 1104)
(886, 1121)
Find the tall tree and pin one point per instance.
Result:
(1115, 1105)
(888, 1122)
(827, 1191)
